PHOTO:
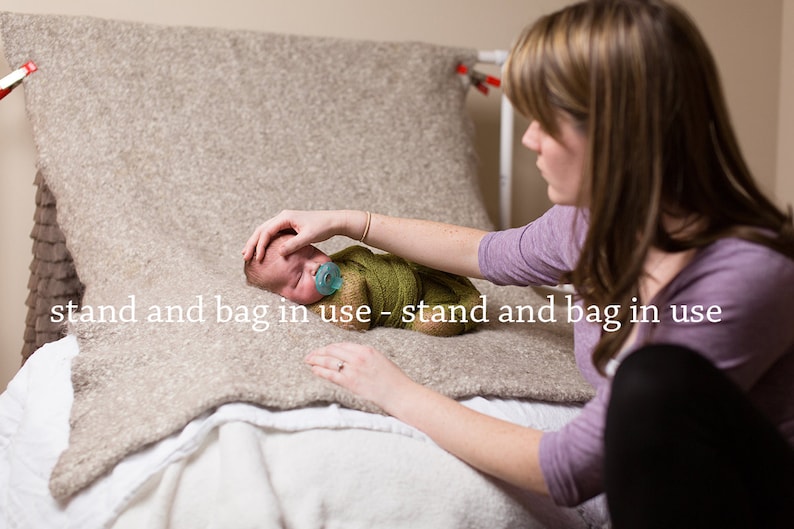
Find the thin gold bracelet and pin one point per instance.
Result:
(366, 227)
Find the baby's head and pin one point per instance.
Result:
(291, 276)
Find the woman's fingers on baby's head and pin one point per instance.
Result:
(251, 248)
(258, 241)
(261, 247)
(287, 248)
(293, 245)
(248, 252)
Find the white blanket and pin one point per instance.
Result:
(324, 466)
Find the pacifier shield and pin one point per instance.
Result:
(328, 279)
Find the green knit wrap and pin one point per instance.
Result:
(387, 284)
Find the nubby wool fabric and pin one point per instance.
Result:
(164, 147)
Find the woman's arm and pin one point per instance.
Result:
(437, 245)
(498, 448)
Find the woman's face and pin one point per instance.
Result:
(561, 163)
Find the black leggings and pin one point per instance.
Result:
(685, 448)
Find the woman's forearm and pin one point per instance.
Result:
(496, 447)
(499, 448)
(436, 245)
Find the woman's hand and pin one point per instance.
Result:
(502, 449)
(310, 226)
(362, 370)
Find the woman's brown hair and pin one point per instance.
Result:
(641, 83)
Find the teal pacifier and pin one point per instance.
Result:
(328, 279)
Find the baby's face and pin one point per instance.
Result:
(294, 274)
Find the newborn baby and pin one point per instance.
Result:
(398, 293)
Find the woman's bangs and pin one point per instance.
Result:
(529, 77)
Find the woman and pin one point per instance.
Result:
(654, 205)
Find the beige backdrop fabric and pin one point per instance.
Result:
(165, 146)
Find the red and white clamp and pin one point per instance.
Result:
(479, 80)
(12, 80)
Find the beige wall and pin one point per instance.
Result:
(785, 141)
(746, 38)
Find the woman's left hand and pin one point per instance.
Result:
(503, 449)
(362, 370)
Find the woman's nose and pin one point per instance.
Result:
(531, 138)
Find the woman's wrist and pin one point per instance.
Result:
(404, 400)
(366, 227)
(357, 224)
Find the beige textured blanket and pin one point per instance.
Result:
(165, 146)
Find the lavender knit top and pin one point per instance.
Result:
(750, 337)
